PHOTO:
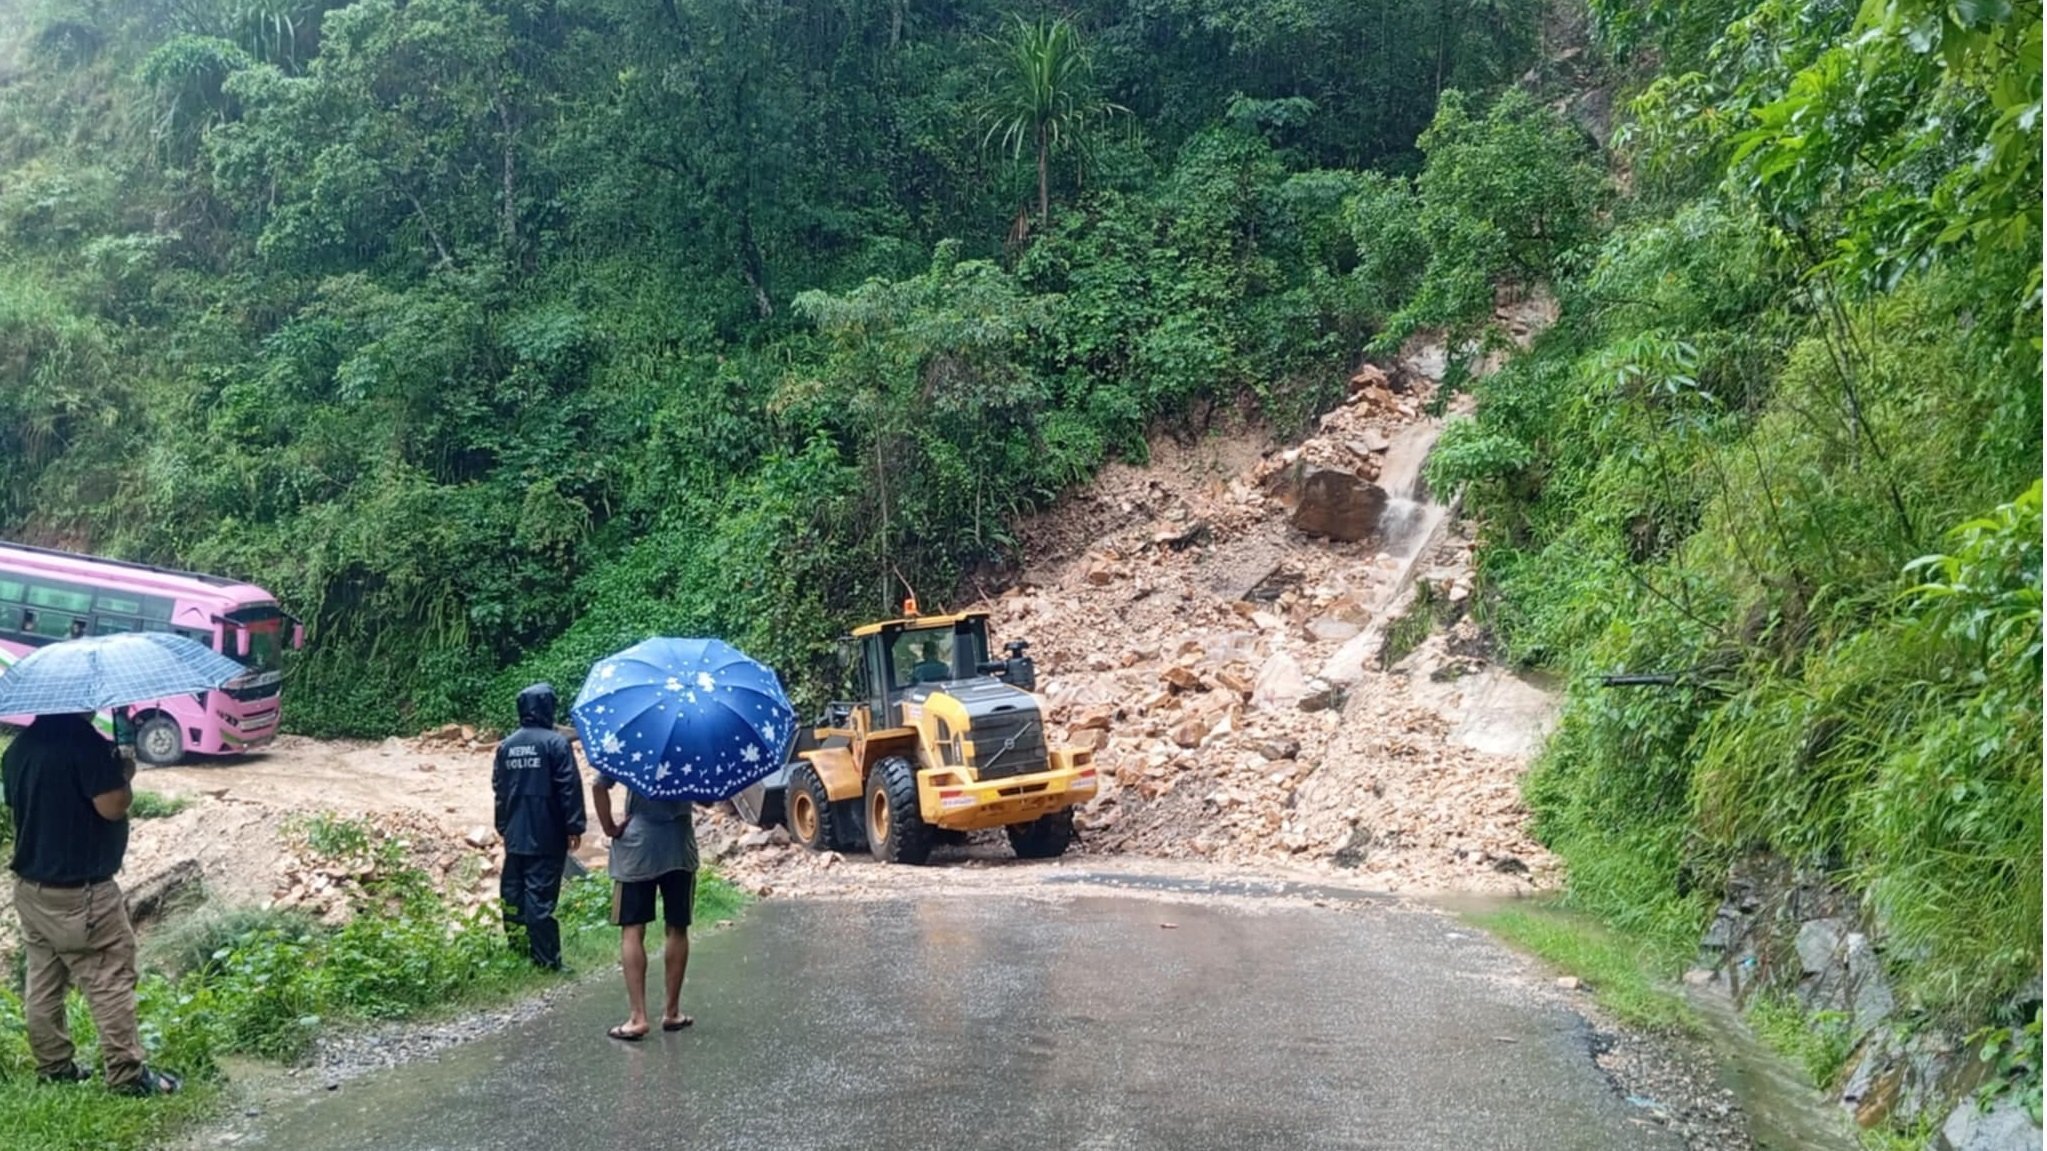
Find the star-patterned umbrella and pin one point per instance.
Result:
(684, 719)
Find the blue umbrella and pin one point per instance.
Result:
(684, 719)
(79, 675)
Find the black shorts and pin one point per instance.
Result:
(633, 903)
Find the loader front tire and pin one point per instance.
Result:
(1045, 837)
(896, 831)
(808, 811)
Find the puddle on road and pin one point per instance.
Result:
(1241, 888)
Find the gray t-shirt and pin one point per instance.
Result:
(659, 836)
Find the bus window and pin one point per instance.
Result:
(118, 604)
(10, 617)
(113, 624)
(197, 635)
(11, 589)
(71, 602)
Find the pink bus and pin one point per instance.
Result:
(48, 595)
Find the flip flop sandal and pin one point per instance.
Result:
(678, 1024)
(72, 1074)
(620, 1032)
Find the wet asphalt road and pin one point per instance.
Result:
(1027, 1024)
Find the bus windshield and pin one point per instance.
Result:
(265, 627)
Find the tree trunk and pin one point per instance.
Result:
(1044, 193)
(427, 225)
(508, 219)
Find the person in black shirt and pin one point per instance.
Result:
(68, 792)
(539, 800)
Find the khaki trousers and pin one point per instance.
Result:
(79, 935)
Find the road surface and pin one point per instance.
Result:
(1065, 1020)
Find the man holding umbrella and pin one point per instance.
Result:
(653, 852)
(676, 722)
(69, 793)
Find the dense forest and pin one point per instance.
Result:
(490, 335)
(1783, 452)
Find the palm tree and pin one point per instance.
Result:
(1041, 95)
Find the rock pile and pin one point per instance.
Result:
(333, 885)
(1221, 660)
(1219, 649)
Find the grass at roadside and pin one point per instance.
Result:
(1626, 976)
(1819, 1043)
(245, 982)
(155, 805)
(83, 1115)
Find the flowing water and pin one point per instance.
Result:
(1410, 517)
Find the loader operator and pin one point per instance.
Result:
(931, 668)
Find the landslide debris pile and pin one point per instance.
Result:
(1228, 645)
(1268, 651)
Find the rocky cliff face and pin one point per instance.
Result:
(1783, 931)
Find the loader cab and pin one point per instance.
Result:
(897, 658)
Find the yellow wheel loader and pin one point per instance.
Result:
(942, 739)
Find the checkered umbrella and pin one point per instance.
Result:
(79, 675)
(684, 719)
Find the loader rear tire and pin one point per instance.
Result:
(1045, 837)
(809, 813)
(896, 831)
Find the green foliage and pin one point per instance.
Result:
(1778, 381)
(1952, 825)
(1041, 97)
(1627, 976)
(1410, 628)
(2013, 1054)
(154, 805)
(1503, 199)
(1820, 1043)
(85, 1116)
(487, 337)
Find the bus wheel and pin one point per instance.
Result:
(159, 743)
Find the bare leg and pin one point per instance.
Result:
(633, 960)
(675, 955)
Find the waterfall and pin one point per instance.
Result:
(1410, 516)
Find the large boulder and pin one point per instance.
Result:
(2004, 1127)
(1336, 504)
(1280, 684)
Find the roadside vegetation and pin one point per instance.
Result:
(1622, 972)
(1783, 451)
(155, 805)
(263, 984)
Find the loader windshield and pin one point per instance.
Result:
(923, 657)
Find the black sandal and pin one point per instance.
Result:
(71, 1074)
(151, 1083)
